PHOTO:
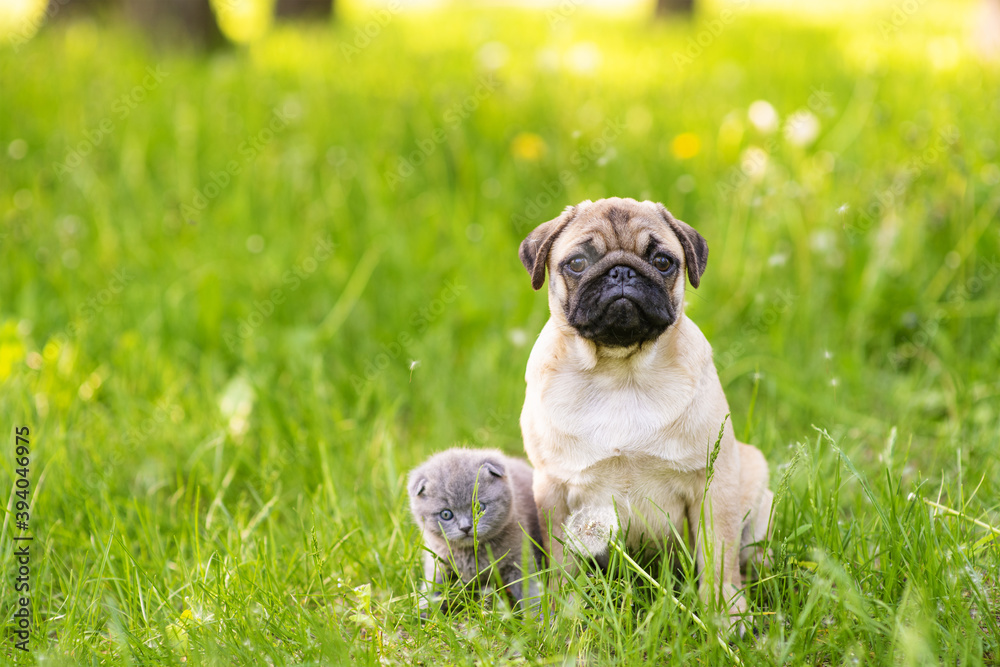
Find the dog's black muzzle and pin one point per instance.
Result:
(621, 306)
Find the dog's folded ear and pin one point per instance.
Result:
(694, 244)
(534, 250)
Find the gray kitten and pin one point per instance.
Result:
(471, 505)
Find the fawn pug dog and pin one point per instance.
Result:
(624, 407)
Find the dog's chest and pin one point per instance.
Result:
(629, 479)
(634, 424)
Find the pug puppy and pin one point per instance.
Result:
(624, 407)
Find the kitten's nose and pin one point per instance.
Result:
(466, 529)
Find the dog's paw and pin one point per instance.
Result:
(589, 530)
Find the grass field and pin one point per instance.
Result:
(242, 295)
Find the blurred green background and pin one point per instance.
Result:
(246, 287)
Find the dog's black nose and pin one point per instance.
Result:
(622, 274)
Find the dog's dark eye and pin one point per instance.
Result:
(578, 264)
(662, 263)
(446, 515)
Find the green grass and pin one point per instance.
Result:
(216, 486)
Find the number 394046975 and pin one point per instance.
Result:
(23, 483)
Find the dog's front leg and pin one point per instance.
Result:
(589, 531)
(581, 535)
(550, 498)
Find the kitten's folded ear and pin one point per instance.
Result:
(417, 484)
(494, 467)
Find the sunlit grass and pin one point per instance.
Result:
(224, 418)
(20, 20)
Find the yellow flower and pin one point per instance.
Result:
(528, 146)
(685, 145)
(12, 349)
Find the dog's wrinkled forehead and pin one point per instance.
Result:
(618, 224)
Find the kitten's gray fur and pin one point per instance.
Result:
(466, 545)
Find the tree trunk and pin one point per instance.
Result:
(673, 7)
(65, 8)
(304, 9)
(191, 21)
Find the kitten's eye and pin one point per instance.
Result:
(578, 264)
(446, 515)
(662, 263)
(482, 507)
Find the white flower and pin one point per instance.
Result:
(583, 58)
(492, 56)
(802, 128)
(236, 404)
(547, 59)
(255, 243)
(822, 240)
(753, 162)
(763, 116)
(518, 337)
